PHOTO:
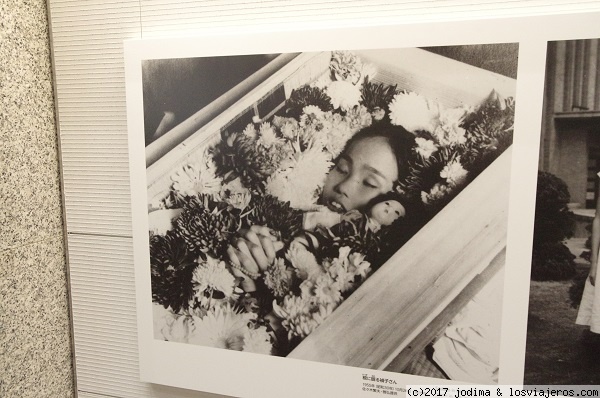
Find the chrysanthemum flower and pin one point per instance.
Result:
(358, 118)
(300, 182)
(258, 341)
(267, 136)
(313, 110)
(346, 66)
(221, 327)
(197, 178)
(346, 267)
(437, 192)
(454, 172)
(250, 131)
(344, 95)
(413, 112)
(327, 290)
(178, 328)
(425, 147)
(288, 126)
(235, 194)
(304, 262)
(299, 316)
(209, 277)
(278, 278)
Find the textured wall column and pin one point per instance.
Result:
(35, 344)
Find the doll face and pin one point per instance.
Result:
(385, 213)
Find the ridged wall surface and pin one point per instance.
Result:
(88, 57)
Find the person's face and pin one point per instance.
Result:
(385, 213)
(364, 171)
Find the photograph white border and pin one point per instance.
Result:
(243, 374)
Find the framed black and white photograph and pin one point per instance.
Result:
(323, 206)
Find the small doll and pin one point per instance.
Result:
(384, 211)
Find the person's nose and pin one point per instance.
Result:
(346, 186)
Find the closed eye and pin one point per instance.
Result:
(342, 168)
(370, 184)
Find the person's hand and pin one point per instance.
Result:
(252, 252)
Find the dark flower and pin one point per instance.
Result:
(279, 216)
(171, 266)
(206, 226)
(238, 155)
(304, 96)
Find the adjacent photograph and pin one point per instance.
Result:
(563, 331)
(349, 207)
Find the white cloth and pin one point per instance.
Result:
(589, 308)
(469, 349)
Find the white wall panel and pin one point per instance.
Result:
(87, 41)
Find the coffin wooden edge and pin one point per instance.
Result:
(438, 325)
(381, 319)
(173, 137)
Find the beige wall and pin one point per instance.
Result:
(35, 347)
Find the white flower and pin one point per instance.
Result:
(257, 341)
(197, 178)
(425, 147)
(346, 66)
(454, 172)
(162, 318)
(448, 131)
(278, 278)
(327, 290)
(161, 221)
(178, 328)
(344, 95)
(221, 327)
(413, 112)
(358, 118)
(313, 110)
(287, 125)
(300, 316)
(267, 136)
(346, 267)
(358, 266)
(250, 131)
(304, 262)
(210, 276)
(235, 194)
(300, 182)
(438, 191)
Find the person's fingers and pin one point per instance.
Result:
(245, 257)
(278, 245)
(247, 284)
(242, 245)
(233, 256)
(264, 231)
(259, 255)
(268, 248)
(251, 236)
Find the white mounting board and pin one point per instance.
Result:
(87, 43)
